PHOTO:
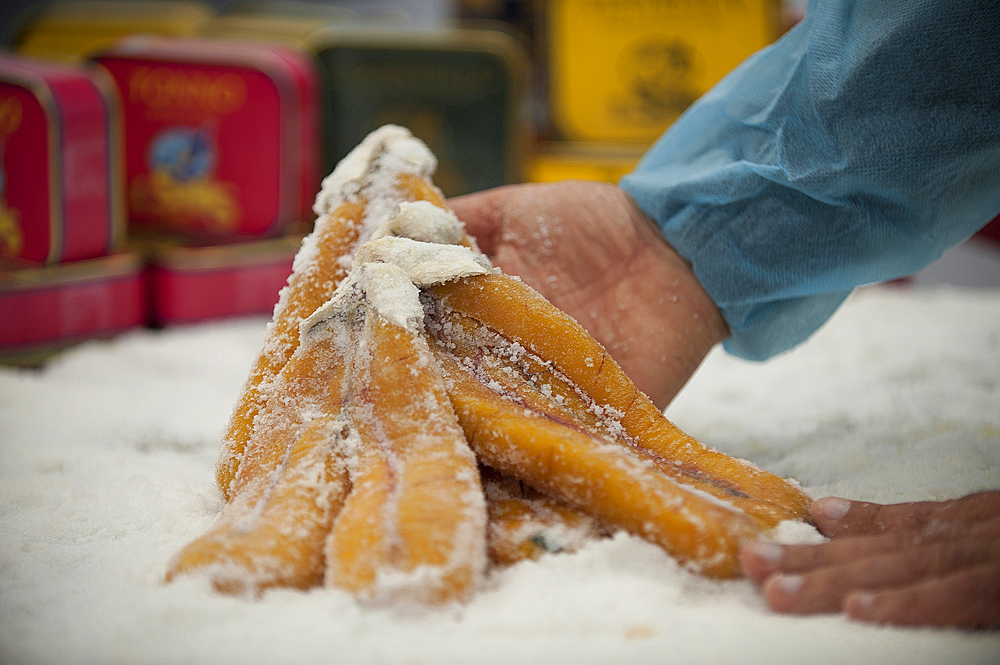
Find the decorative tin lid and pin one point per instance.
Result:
(222, 136)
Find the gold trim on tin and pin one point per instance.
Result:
(173, 255)
(121, 264)
(115, 128)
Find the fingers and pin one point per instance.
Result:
(762, 559)
(840, 517)
(823, 589)
(969, 598)
(927, 563)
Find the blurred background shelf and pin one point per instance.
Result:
(221, 116)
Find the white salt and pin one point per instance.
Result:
(106, 471)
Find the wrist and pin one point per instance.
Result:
(690, 321)
(662, 322)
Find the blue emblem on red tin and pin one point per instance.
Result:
(186, 153)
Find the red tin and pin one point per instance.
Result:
(195, 283)
(45, 308)
(222, 137)
(60, 188)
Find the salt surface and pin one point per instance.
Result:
(106, 470)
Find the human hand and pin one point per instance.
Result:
(592, 252)
(926, 563)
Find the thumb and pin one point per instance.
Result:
(840, 517)
(482, 213)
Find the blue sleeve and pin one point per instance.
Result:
(855, 149)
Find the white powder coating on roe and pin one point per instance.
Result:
(342, 300)
(371, 169)
(391, 293)
(418, 586)
(385, 288)
(389, 271)
(389, 267)
(425, 263)
(390, 148)
(422, 220)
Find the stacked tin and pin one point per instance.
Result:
(222, 156)
(619, 73)
(221, 137)
(218, 130)
(461, 91)
(464, 92)
(62, 275)
(67, 272)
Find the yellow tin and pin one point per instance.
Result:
(288, 21)
(561, 160)
(73, 30)
(623, 70)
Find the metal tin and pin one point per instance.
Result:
(275, 20)
(461, 91)
(73, 30)
(46, 308)
(607, 162)
(221, 136)
(262, 28)
(193, 283)
(60, 174)
(623, 71)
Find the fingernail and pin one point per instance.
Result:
(833, 508)
(789, 584)
(864, 599)
(859, 603)
(769, 553)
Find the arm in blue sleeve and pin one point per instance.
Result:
(855, 149)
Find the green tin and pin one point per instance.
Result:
(460, 91)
